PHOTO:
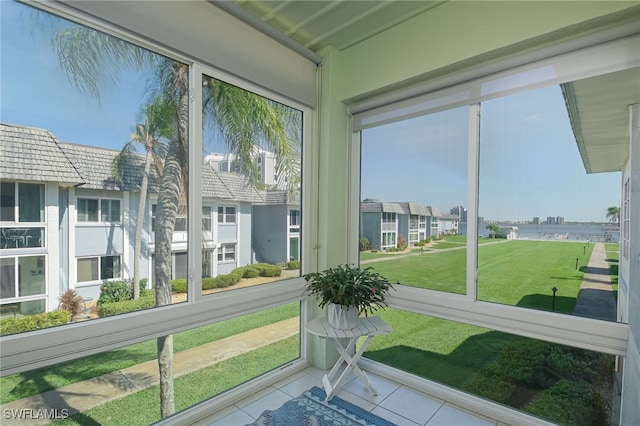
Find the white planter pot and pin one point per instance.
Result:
(342, 317)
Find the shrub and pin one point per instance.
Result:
(293, 264)
(402, 243)
(571, 404)
(250, 272)
(115, 291)
(116, 308)
(365, 244)
(179, 286)
(34, 322)
(72, 302)
(271, 271)
(207, 284)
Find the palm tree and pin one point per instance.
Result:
(613, 214)
(245, 120)
(493, 229)
(154, 135)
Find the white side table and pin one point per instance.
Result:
(366, 326)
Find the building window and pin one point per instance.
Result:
(26, 204)
(294, 220)
(98, 210)
(99, 268)
(206, 218)
(226, 214)
(227, 253)
(22, 276)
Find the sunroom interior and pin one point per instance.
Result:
(351, 66)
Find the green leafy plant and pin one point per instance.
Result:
(349, 286)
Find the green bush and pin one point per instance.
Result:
(570, 404)
(365, 244)
(115, 291)
(207, 283)
(250, 272)
(293, 264)
(271, 271)
(116, 308)
(179, 286)
(34, 322)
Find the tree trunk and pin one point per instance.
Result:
(172, 184)
(137, 244)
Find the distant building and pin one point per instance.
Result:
(559, 220)
(460, 212)
(551, 220)
(536, 220)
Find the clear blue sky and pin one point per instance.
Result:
(529, 162)
(530, 165)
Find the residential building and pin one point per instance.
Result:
(460, 212)
(276, 227)
(349, 71)
(71, 224)
(448, 224)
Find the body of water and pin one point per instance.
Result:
(596, 232)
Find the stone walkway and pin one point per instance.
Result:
(596, 299)
(81, 396)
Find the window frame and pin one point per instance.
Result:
(99, 265)
(26, 351)
(100, 211)
(586, 333)
(225, 215)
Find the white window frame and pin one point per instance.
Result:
(25, 351)
(100, 277)
(225, 214)
(16, 203)
(17, 297)
(99, 200)
(224, 250)
(596, 59)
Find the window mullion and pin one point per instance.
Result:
(472, 201)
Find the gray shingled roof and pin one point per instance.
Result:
(379, 207)
(415, 208)
(34, 155)
(283, 197)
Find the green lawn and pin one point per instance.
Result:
(518, 273)
(445, 351)
(21, 385)
(613, 256)
(143, 408)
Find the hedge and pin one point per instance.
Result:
(233, 277)
(116, 308)
(34, 322)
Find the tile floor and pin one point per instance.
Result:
(394, 402)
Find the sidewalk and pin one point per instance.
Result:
(81, 396)
(596, 299)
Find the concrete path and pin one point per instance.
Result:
(81, 396)
(596, 299)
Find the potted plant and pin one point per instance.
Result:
(348, 291)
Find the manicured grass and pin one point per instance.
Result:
(518, 273)
(142, 408)
(445, 351)
(367, 255)
(37, 381)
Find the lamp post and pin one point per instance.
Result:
(553, 299)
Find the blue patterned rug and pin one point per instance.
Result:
(310, 409)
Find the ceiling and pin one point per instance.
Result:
(599, 112)
(339, 23)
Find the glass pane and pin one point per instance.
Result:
(8, 201)
(562, 384)
(7, 278)
(252, 148)
(31, 202)
(227, 352)
(31, 273)
(181, 267)
(412, 207)
(88, 269)
(112, 102)
(544, 218)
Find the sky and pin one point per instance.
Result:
(529, 162)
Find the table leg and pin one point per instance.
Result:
(351, 361)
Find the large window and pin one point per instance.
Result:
(397, 204)
(226, 214)
(98, 210)
(99, 268)
(22, 202)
